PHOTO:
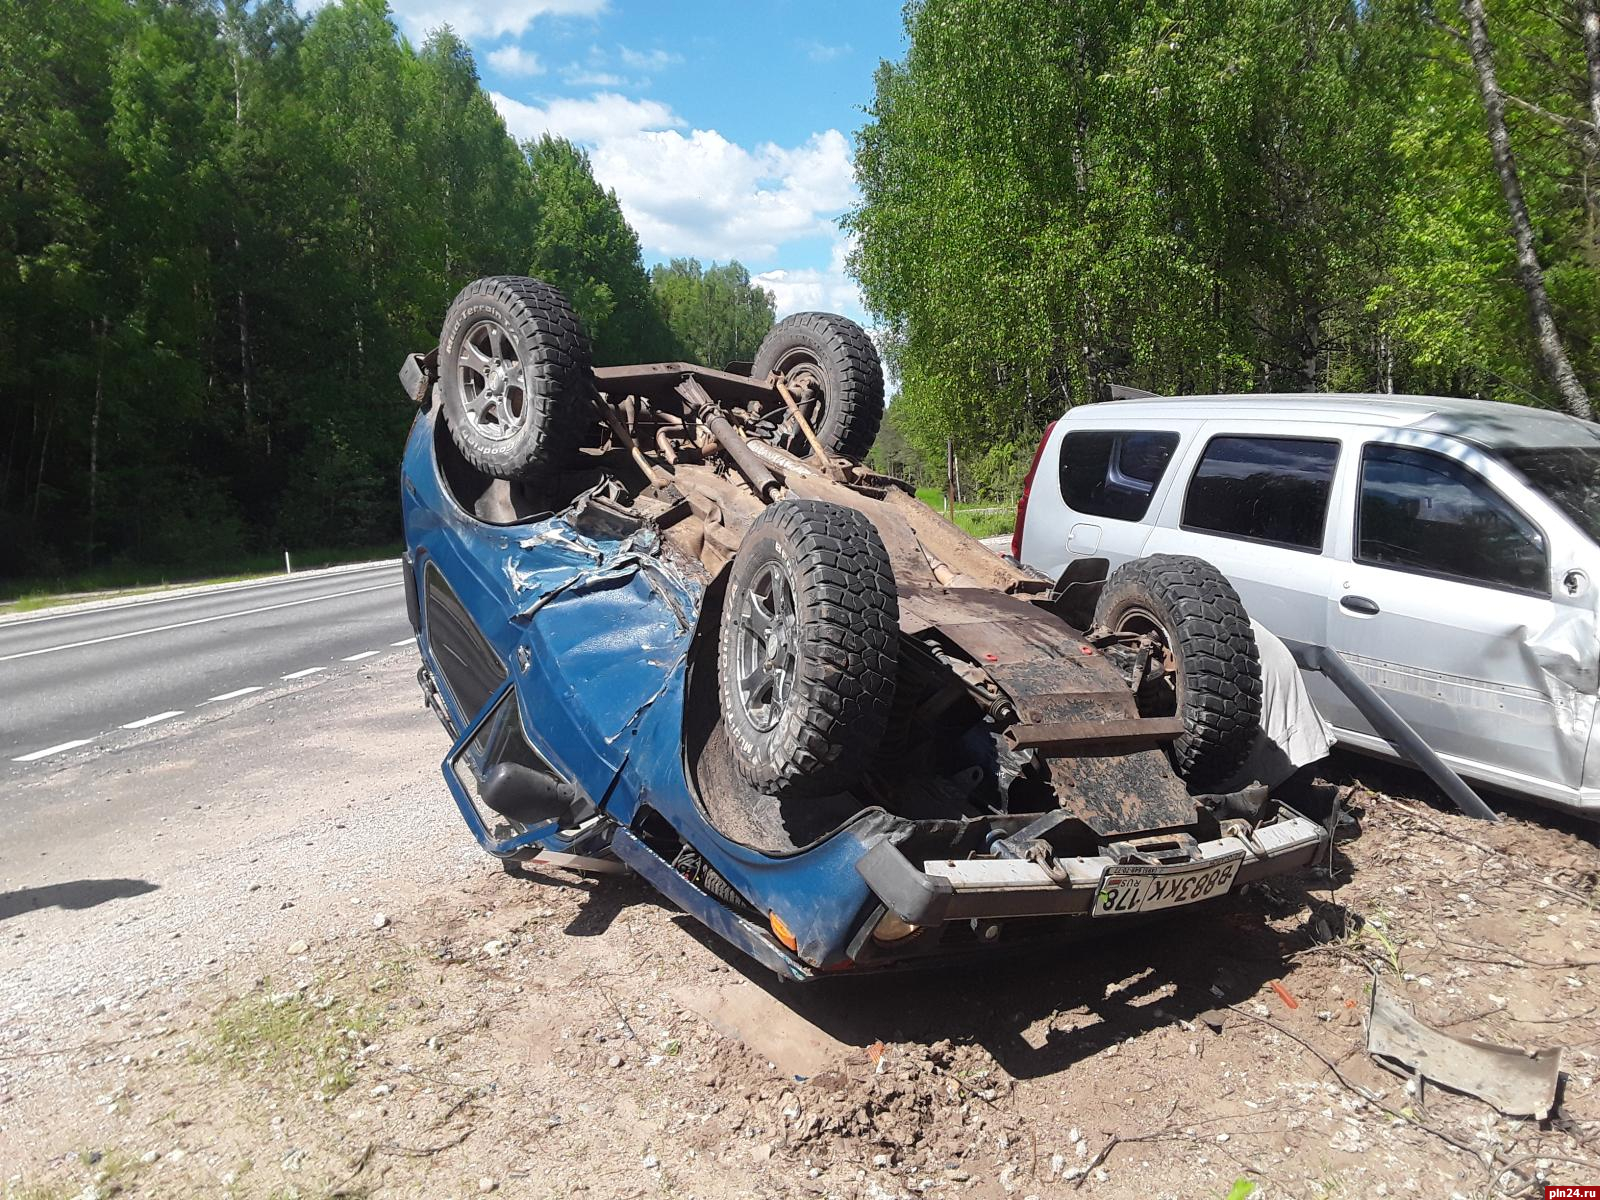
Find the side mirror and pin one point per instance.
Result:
(526, 795)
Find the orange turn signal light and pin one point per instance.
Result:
(782, 931)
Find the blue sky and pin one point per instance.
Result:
(725, 128)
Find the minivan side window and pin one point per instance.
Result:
(1113, 473)
(1424, 512)
(1263, 489)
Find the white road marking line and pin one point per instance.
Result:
(407, 642)
(140, 724)
(49, 750)
(234, 695)
(359, 657)
(200, 591)
(117, 637)
(303, 674)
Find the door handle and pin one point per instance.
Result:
(1359, 604)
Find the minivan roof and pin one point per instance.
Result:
(1490, 423)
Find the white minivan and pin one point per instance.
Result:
(1449, 550)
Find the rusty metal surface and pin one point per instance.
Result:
(760, 475)
(1063, 739)
(963, 553)
(653, 378)
(1054, 677)
(1079, 717)
(906, 559)
(1123, 793)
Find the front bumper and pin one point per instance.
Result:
(993, 888)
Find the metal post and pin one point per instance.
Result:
(287, 569)
(1391, 726)
(949, 476)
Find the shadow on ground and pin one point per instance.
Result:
(1040, 1012)
(80, 893)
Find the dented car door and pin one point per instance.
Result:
(1450, 602)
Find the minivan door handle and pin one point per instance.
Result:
(1359, 604)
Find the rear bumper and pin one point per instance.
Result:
(989, 888)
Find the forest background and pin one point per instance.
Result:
(223, 222)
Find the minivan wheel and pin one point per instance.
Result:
(807, 649)
(1216, 683)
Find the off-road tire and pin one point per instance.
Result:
(846, 634)
(851, 376)
(556, 409)
(1209, 634)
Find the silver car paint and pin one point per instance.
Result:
(1502, 684)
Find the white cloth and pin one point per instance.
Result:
(1292, 732)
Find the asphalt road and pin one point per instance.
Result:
(81, 683)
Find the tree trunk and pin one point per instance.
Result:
(1589, 11)
(1310, 346)
(1553, 360)
(44, 458)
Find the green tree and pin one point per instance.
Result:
(1213, 196)
(717, 314)
(580, 242)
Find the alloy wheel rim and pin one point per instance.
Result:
(767, 646)
(493, 379)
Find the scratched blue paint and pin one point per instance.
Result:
(595, 633)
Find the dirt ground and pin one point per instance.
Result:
(364, 1006)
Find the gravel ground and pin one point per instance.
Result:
(268, 962)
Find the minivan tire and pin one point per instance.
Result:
(807, 650)
(1198, 614)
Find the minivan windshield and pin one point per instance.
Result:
(1567, 476)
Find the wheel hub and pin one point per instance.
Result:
(492, 381)
(767, 646)
(799, 374)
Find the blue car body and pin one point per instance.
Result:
(594, 633)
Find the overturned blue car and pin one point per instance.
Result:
(670, 620)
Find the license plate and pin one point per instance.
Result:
(1138, 889)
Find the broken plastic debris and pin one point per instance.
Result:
(1516, 1082)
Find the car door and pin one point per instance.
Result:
(1446, 582)
(1254, 500)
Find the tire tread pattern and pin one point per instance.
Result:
(854, 403)
(849, 615)
(558, 377)
(1220, 700)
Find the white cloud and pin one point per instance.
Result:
(580, 76)
(512, 59)
(703, 195)
(599, 120)
(475, 19)
(821, 52)
(648, 60)
(697, 193)
(809, 289)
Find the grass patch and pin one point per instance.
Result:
(25, 595)
(980, 520)
(109, 1170)
(42, 1191)
(312, 1041)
